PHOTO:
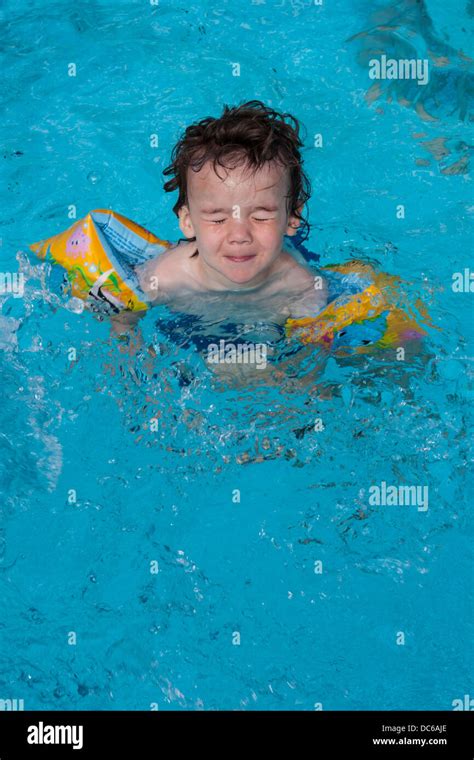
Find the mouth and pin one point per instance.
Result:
(241, 259)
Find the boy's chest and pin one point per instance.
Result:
(237, 308)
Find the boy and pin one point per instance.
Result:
(241, 189)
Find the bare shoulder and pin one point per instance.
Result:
(307, 290)
(160, 274)
(298, 276)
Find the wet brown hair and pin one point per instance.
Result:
(250, 134)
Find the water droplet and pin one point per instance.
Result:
(94, 178)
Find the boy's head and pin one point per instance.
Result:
(241, 189)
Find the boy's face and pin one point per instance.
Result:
(239, 222)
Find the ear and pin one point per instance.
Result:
(185, 223)
(293, 223)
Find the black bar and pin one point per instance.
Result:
(108, 734)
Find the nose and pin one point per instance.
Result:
(239, 231)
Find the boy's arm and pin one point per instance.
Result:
(124, 327)
(122, 322)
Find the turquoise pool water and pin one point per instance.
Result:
(130, 558)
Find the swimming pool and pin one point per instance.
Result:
(229, 557)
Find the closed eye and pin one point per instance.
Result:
(256, 219)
